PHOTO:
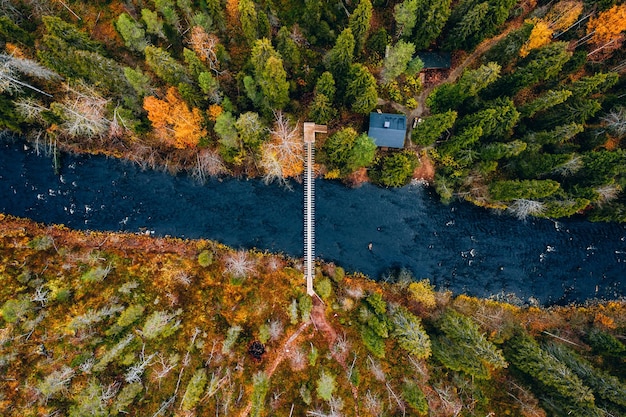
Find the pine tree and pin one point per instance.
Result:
(359, 23)
(361, 90)
(133, 33)
(339, 59)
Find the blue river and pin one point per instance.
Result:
(458, 247)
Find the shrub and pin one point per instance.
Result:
(160, 323)
(126, 397)
(130, 315)
(231, 337)
(260, 386)
(414, 397)
(14, 310)
(325, 386)
(424, 293)
(205, 258)
(305, 305)
(195, 389)
(96, 274)
(323, 288)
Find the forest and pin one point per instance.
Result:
(110, 324)
(528, 120)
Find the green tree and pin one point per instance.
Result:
(154, 25)
(269, 89)
(326, 85)
(226, 131)
(322, 110)
(361, 89)
(138, 80)
(326, 386)
(288, 49)
(260, 387)
(508, 190)
(463, 140)
(251, 130)
(432, 17)
(397, 60)
(348, 151)
(166, 67)
(195, 389)
(249, 20)
(604, 385)
(133, 33)
(546, 101)
(597, 83)
(558, 135)
(167, 8)
(339, 59)
(359, 23)
(395, 170)
(405, 15)
(497, 121)
(527, 356)
(410, 334)
(540, 65)
(465, 348)
(414, 397)
(428, 130)
(500, 150)
(451, 96)
(472, 21)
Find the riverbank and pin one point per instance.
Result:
(127, 323)
(459, 247)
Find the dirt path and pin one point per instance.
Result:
(283, 352)
(321, 324)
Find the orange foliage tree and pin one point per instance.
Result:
(173, 121)
(608, 25)
(540, 36)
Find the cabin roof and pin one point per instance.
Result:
(435, 60)
(387, 130)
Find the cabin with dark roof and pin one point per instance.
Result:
(435, 60)
(387, 130)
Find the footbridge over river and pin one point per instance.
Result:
(309, 202)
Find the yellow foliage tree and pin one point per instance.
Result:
(608, 25)
(563, 14)
(283, 156)
(540, 36)
(173, 121)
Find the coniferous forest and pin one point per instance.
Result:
(528, 119)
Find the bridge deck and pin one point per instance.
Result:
(309, 203)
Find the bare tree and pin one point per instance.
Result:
(282, 156)
(10, 65)
(608, 192)
(615, 121)
(523, 208)
(208, 164)
(238, 264)
(83, 112)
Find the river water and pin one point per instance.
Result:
(459, 247)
